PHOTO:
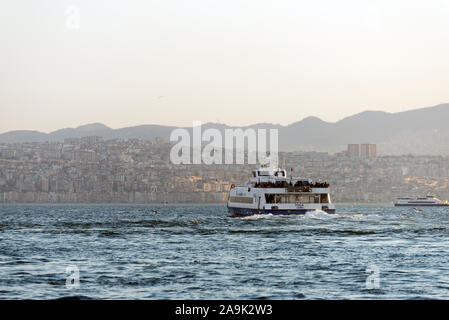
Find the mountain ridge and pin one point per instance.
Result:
(422, 131)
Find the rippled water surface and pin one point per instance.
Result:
(198, 252)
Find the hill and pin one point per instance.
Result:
(419, 131)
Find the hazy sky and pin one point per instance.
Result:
(235, 62)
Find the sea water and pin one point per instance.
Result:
(198, 252)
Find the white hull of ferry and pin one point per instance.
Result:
(420, 205)
(244, 212)
(429, 201)
(246, 201)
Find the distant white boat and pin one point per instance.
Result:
(428, 201)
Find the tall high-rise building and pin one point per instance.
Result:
(368, 150)
(373, 150)
(353, 150)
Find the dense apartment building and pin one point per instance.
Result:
(353, 150)
(364, 150)
(368, 150)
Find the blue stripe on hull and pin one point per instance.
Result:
(243, 212)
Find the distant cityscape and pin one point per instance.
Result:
(93, 170)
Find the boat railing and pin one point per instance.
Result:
(299, 189)
(290, 187)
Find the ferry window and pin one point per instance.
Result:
(269, 198)
(241, 199)
(284, 198)
(324, 198)
(302, 198)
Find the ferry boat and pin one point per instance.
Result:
(428, 201)
(270, 191)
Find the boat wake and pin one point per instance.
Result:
(313, 214)
(320, 215)
(256, 216)
(372, 217)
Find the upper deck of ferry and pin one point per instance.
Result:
(276, 178)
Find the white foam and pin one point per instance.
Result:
(320, 215)
(372, 217)
(256, 216)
